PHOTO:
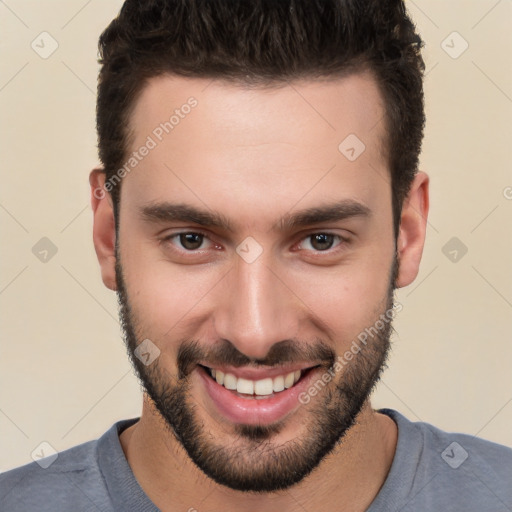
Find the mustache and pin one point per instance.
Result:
(224, 353)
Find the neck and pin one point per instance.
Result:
(347, 479)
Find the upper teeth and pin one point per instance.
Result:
(257, 387)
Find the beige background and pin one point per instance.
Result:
(65, 377)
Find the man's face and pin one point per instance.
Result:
(261, 297)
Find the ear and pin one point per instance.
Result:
(104, 233)
(413, 227)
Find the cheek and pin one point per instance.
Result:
(163, 296)
(348, 298)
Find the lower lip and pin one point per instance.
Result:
(254, 411)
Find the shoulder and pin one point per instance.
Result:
(455, 449)
(52, 483)
(449, 469)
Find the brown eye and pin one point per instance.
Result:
(191, 241)
(322, 241)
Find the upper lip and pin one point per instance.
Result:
(260, 373)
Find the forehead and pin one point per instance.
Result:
(259, 114)
(208, 138)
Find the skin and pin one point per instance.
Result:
(255, 156)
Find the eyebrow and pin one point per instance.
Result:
(332, 212)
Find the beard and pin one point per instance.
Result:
(250, 460)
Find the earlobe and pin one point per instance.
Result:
(413, 226)
(104, 233)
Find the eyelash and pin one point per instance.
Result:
(342, 241)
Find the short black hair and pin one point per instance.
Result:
(265, 43)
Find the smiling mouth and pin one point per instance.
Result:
(257, 389)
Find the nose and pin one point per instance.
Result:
(256, 308)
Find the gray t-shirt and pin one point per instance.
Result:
(432, 471)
